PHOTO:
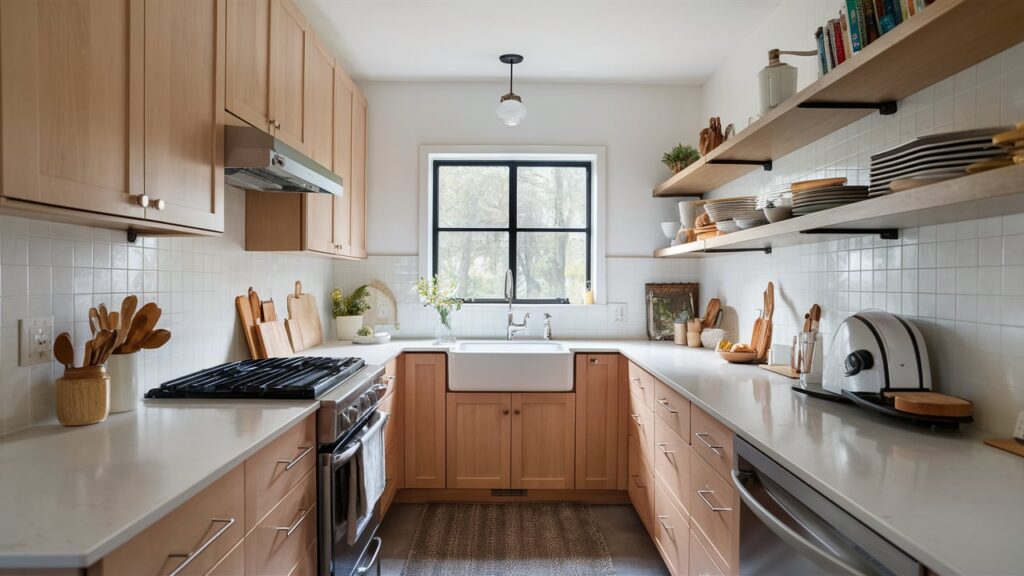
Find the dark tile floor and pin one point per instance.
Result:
(632, 551)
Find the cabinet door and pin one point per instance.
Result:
(320, 112)
(184, 135)
(479, 427)
(543, 438)
(424, 389)
(289, 73)
(71, 102)
(320, 223)
(600, 422)
(247, 90)
(358, 218)
(343, 92)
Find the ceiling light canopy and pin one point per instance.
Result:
(511, 109)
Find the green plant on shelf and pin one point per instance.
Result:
(679, 157)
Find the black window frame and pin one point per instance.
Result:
(513, 228)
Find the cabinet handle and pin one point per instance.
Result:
(159, 204)
(291, 463)
(142, 200)
(516, 412)
(289, 529)
(716, 448)
(713, 508)
(665, 525)
(661, 446)
(638, 422)
(593, 360)
(188, 558)
(637, 382)
(504, 412)
(664, 402)
(637, 482)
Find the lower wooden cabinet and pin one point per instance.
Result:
(423, 390)
(701, 563)
(640, 486)
(715, 513)
(601, 398)
(231, 564)
(280, 540)
(511, 440)
(671, 530)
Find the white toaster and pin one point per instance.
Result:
(873, 351)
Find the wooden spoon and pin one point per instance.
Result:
(127, 313)
(143, 323)
(156, 339)
(94, 315)
(87, 356)
(104, 316)
(64, 351)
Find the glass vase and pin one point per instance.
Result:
(444, 334)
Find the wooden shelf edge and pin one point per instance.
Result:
(940, 201)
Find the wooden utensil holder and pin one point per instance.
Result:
(83, 396)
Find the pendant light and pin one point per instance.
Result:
(511, 109)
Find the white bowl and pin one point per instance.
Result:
(778, 214)
(710, 337)
(669, 229)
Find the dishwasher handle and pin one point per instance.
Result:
(823, 558)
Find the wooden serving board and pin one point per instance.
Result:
(249, 327)
(1008, 444)
(294, 330)
(275, 339)
(927, 403)
(302, 307)
(782, 370)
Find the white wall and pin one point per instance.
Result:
(732, 91)
(60, 270)
(636, 124)
(962, 283)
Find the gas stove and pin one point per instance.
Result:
(296, 377)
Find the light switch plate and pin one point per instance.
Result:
(618, 311)
(35, 340)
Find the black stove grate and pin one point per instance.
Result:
(299, 377)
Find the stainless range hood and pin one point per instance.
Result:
(255, 160)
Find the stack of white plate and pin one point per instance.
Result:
(933, 158)
(818, 199)
(727, 226)
(745, 223)
(778, 196)
(728, 208)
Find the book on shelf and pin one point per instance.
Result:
(819, 38)
(844, 26)
(854, 25)
(837, 39)
(866, 19)
(830, 45)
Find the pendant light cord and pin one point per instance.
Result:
(510, 65)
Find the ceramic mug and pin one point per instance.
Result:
(688, 212)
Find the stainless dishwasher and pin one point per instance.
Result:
(787, 527)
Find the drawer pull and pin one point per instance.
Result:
(665, 525)
(593, 360)
(188, 558)
(716, 448)
(637, 482)
(373, 559)
(638, 422)
(637, 382)
(390, 379)
(713, 508)
(289, 529)
(664, 402)
(291, 463)
(661, 446)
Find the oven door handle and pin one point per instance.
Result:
(340, 459)
(373, 559)
(829, 561)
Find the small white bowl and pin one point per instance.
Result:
(778, 214)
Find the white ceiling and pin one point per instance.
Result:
(634, 41)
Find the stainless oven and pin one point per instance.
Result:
(787, 527)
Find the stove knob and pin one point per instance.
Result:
(351, 415)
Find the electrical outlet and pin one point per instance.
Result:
(618, 311)
(36, 340)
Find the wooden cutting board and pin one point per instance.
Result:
(249, 327)
(294, 330)
(1008, 444)
(927, 403)
(274, 338)
(302, 307)
(782, 370)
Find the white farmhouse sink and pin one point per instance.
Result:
(516, 366)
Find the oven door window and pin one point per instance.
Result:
(340, 486)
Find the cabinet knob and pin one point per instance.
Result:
(142, 200)
(159, 204)
(516, 412)
(504, 412)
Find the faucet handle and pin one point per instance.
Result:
(547, 316)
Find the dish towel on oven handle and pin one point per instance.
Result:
(367, 479)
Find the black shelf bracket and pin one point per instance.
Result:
(883, 233)
(132, 235)
(886, 108)
(765, 164)
(766, 250)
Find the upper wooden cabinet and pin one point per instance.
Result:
(290, 46)
(248, 61)
(110, 106)
(357, 188)
(320, 111)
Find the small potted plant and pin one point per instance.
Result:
(348, 311)
(679, 157)
(441, 297)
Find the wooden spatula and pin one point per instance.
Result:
(156, 339)
(143, 323)
(64, 351)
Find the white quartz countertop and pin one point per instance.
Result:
(943, 497)
(69, 496)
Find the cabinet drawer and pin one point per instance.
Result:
(640, 428)
(671, 531)
(639, 485)
(275, 470)
(712, 440)
(701, 563)
(279, 541)
(672, 464)
(212, 517)
(307, 566)
(672, 408)
(642, 384)
(714, 510)
(232, 564)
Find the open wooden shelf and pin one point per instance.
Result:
(992, 193)
(947, 37)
